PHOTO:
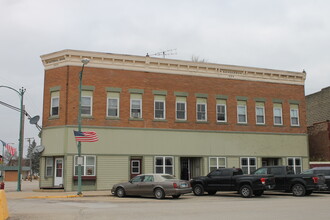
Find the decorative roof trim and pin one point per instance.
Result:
(169, 66)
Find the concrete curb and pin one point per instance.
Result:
(52, 197)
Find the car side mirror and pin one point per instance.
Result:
(130, 181)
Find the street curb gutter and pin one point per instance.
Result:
(52, 197)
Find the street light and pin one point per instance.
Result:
(20, 92)
(85, 61)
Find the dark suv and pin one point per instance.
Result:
(320, 170)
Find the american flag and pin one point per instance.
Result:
(87, 136)
(9, 148)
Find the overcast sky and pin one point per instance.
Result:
(278, 34)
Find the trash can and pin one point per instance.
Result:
(2, 185)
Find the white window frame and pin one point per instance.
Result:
(294, 163)
(245, 113)
(197, 104)
(91, 105)
(164, 166)
(164, 110)
(51, 166)
(217, 166)
(291, 117)
(185, 110)
(108, 107)
(52, 106)
(139, 166)
(248, 165)
(84, 165)
(225, 113)
(131, 113)
(263, 115)
(280, 108)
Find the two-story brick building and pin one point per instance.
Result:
(156, 115)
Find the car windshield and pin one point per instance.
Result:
(307, 172)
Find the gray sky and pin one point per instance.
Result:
(278, 34)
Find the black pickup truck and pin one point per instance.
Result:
(288, 181)
(232, 179)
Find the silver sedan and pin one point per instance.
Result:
(157, 185)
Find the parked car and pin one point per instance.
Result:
(299, 184)
(157, 185)
(232, 179)
(320, 170)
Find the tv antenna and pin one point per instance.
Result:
(164, 53)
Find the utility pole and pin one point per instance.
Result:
(29, 140)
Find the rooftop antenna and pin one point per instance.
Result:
(164, 53)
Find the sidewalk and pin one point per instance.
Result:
(30, 190)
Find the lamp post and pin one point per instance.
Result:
(85, 61)
(20, 92)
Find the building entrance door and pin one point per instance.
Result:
(58, 180)
(190, 167)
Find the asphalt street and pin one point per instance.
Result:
(224, 205)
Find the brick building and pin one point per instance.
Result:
(318, 122)
(167, 116)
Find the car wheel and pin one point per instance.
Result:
(211, 192)
(308, 192)
(198, 190)
(159, 193)
(176, 196)
(258, 193)
(298, 190)
(120, 192)
(246, 191)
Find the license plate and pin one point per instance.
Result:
(183, 185)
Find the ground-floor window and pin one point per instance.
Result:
(164, 165)
(49, 166)
(216, 162)
(295, 163)
(248, 164)
(88, 165)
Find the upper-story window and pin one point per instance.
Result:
(201, 109)
(136, 105)
(159, 107)
(181, 108)
(294, 115)
(260, 113)
(55, 103)
(113, 104)
(221, 110)
(86, 103)
(278, 114)
(241, 112)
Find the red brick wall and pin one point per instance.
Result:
(319, 141)
(67, 78)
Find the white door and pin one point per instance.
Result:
(58, 180)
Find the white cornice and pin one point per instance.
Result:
(169, 66)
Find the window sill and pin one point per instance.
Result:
(181, 121)
(112, 118)
(159, 120)
(136, 119)
(260, 124)
(242, 124)
(278, 125)
(202, 122)
(87, 117)
(85, 177)
(222, 123)
(295, 126)
(54, 117)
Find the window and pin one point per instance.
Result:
(137, 179)
(221, 111)
(181, 108)
(295, 163)
(55, 102)
(135, 167)
(216, 163)
(201, 109)
(88, 166)
(278, 114)
(113, 104)
(86, 103)
(159, 106)
(260, 113)
(248, 164)
(294, 115)
(241, 112)
(136, 106)
(164, 165)
(49, 166)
